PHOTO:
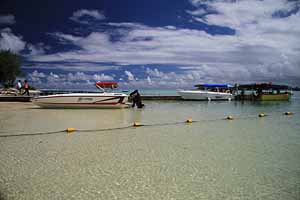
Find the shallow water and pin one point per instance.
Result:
(246, 158)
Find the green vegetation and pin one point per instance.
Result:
(9, 67)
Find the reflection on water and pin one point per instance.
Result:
(255, 158)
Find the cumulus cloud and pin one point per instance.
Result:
(102, 77)
(7, 19)
(35, 50)
(149, 80)
(9, 41)
(37, 74)
(155, 72)
(78, 16)
(16, 44)
(130, 76)
(76, 80)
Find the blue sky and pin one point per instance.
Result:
(153, 44)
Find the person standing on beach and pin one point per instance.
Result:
(26, 87)
(19, 86)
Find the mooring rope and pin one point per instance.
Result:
(33, 134)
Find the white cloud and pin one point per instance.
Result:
(16, 44)
(53, 75)
(149, 80)
(102, 77)
(155, 72)
(65, 37)
(36, 77)
(36, 49)
(130, 76)
(81, 76)
(197, 12)
(79, 14)
(77, 80)
(77, 76)
(7, 19)
(37, 74)
(9, 41)
(71, 66)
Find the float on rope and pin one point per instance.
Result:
(189, 120)
(288, 113)
(229, 117)
(137, 124)
(70, 130)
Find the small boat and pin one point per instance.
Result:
(85, 100)
(207, 92)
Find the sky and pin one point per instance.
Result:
(67, 44)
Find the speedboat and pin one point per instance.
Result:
(207, 92)
(85, 100)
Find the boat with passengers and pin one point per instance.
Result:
(101, 99)
(208, 92)
(263, 92)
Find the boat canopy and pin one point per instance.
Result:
(263, 86)
(107, 84)
(213, 86)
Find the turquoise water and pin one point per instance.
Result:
(166, 92)
(246, 158)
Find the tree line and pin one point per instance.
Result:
(9, 67)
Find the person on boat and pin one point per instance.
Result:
(26, 88)
(136, 99)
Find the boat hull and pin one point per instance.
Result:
(274, 97)
(99, 100)
(204, 95)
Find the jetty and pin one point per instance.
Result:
(29, 98)
(20, 98)
(8, 98)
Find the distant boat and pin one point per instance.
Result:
(263, 92)
(85, 100)
(207, 92)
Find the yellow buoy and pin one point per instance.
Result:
(229, 117)
(189, 120)
(288, 113)
(261, 115)
(137, 124)
(70, 130)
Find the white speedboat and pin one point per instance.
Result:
(207, 92)
(85, 100)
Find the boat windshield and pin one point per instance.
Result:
(214, 87)
(106, 85)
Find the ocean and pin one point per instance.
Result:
(166, 158)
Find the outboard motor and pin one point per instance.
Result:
(136, 99)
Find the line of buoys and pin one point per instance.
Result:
(138, 124)
(188, 121)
